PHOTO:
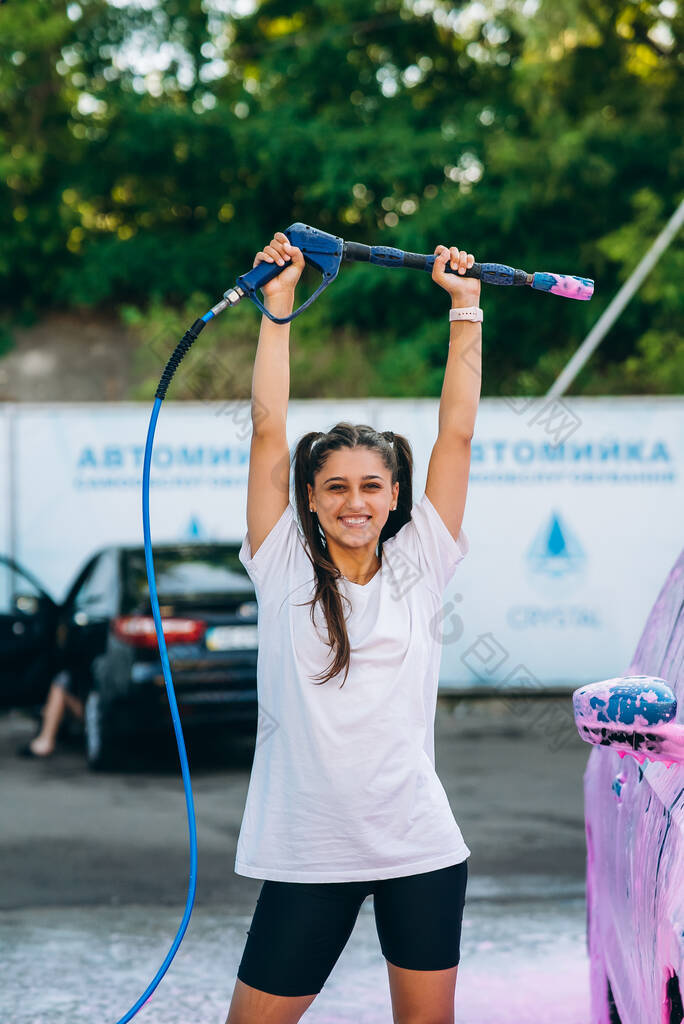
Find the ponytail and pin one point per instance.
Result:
(311, 453)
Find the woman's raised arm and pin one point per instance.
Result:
(268, 483)
(449, 467)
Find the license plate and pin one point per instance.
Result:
(214, 697)
(227, 638)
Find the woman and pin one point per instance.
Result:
(343, 799)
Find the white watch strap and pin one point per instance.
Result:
(473, 313)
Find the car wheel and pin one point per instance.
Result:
(612, 1008)
(674, 999)
(99, 741)
(603, 1006)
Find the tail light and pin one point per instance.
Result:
(139, 631)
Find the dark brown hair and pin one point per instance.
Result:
(311, 453)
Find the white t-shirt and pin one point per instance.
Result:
(343, 784)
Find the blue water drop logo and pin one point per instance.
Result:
(194, 530)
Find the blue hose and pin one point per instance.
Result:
(154, 600)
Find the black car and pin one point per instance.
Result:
(103, 634)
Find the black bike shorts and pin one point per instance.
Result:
(299, 929)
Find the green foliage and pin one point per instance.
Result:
(549, 140)
(6, 340)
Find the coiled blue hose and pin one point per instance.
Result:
(154, 600)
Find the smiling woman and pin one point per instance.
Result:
(344, 799)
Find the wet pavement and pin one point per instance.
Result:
(94, 873)
(521, 963)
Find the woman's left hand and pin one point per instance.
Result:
(464, 291)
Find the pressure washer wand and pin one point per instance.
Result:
(325, 252)
(570, 287)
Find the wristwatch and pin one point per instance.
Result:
(472, 313)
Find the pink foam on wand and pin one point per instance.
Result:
(573, 288)
(564, 284)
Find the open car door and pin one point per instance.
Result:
(28, 621)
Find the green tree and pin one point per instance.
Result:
(546, 138)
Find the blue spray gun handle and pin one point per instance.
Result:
(325, 252)
(320, 250)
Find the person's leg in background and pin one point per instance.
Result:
(58, 700)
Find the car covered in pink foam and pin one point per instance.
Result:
(634, 821)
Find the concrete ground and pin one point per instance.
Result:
(94, 873)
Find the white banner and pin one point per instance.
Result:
(574, 512)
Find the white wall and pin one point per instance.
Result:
(574, 512)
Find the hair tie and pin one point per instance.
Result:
(390, 436)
